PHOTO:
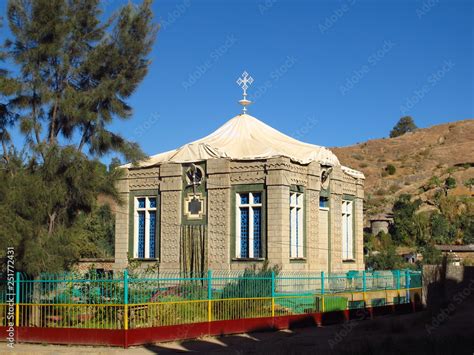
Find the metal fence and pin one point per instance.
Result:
(127, 301)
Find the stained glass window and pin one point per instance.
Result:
(152, 215)
(249, 228)
(141, 234)
(145, 230)
(257, 236)
(244, 232)
(257, 198)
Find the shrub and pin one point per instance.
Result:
(393, 188)
(469, 183)
(390, 169)
(433, 182)
(450, 183)
(404, 125)
(252, 284)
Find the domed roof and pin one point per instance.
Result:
(245, 138)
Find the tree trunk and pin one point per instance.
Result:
(52, 219)
(35, 310)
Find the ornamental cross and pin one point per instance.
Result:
(244, 81)
(195, 177)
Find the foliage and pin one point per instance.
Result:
(253, 283)
(73, 76)
(390, 169)
(404, 226)
(431, 255)
(8, 86)
(450, 183)
(466, 222)
(386, 257)
(432, 183)
(45, 210)
(404, 125)
(469, 183)
(97, 231)
(442, 231)
(451, 223)
(76, 72)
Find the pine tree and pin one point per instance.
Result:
(76, 72)
(404, 125)
(8, 86)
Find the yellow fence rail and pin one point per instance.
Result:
(156, 314)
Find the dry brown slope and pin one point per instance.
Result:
(435, 151)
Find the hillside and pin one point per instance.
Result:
(439, 151)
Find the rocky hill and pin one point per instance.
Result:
(412, 162)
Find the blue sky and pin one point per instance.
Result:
(332, 73)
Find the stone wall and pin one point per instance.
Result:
(447, 283)
(222, 176)
(85, 265)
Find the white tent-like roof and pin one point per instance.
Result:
(246, 138)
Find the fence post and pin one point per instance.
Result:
(322, 290)
(209, 295)
(17, 301)
(273, 293)
(364, 287)
(397, 276)
(407, 285)
(125, 299)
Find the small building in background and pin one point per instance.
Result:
(380, 223)
(458, 254)
(412, 257)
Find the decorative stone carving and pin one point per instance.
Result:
(219, 225)
(255, 177)
(144, 179)
(170, 226)
(246, 166)
(194, 206)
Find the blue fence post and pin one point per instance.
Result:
(322, 291)
(17, 302)
(125, 299)
(209, 295)
(273, 293)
